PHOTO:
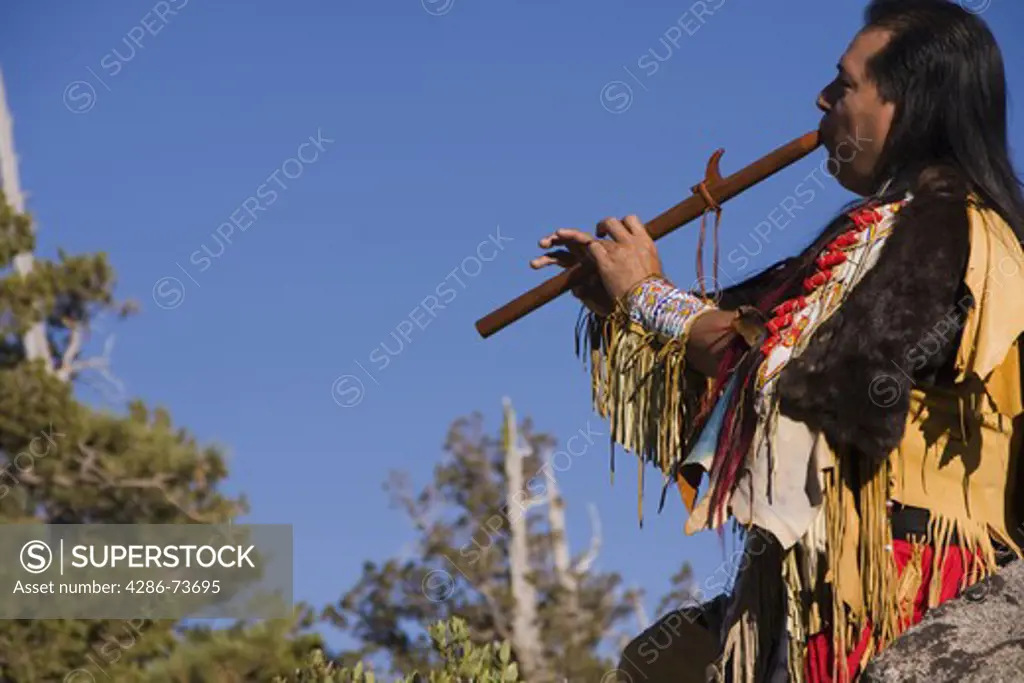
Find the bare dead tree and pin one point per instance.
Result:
(36, 346)
(68, 363)
(525, 634)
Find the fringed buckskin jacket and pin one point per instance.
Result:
(885, 372)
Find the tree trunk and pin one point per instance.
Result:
(36, 346)
(559, 537)
(525, 630)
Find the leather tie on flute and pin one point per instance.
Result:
(719, 189)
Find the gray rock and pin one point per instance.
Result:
(977, 637)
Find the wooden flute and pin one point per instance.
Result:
(714, 190)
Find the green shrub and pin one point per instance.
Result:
(463, 662)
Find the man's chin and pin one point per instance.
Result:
(850, 182)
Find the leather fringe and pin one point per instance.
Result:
(639, 384)
(757, 619)
(888, 594)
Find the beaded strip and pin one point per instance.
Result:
(788, 324)
(660, 307)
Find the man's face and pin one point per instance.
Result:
(856, 120)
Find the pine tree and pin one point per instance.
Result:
(492, 550)
(64, 462)
(462, 661)
(492, 594)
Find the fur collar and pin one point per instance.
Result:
(853, 380)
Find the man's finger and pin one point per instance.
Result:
(574, 244)
(634, 225)
(615, 228)
(562, 258)
(598, 252)
(549, 241)
(542, 261)
(563, 236)
(571, 235)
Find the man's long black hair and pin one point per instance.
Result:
(944, 71)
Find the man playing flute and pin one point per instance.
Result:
(855, 411)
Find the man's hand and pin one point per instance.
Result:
(622, 261)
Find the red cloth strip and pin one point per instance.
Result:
(818, 667)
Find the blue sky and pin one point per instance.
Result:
(436, 126)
